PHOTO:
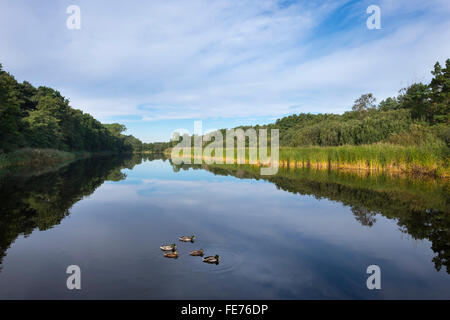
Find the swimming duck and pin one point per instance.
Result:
(197, 253)
(167, 247)
(187, 239)
(171, 254)
(212, 259)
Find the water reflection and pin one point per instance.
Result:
(420, 207)
(30, 201)
(294, 242)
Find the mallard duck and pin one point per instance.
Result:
(171, 254)
(212, 259)
(187, 239)
(167, 247)
(197, 253)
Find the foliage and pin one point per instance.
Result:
(419, 107)
(365, 102)
(429, 159)
(42, 118)
(35, 157)
(158, 147)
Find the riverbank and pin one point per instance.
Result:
(388, 158)
(38, 157)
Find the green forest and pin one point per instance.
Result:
(42, 118)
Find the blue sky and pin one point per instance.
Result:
(157, 66)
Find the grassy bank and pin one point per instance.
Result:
(415, 160)
(380, 157)
(37, 157)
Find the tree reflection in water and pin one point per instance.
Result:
(420, 206)
(30, 202)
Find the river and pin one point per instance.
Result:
(301, 234)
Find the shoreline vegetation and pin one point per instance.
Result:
(389, 158)
(38, 126)
(383, 158)
(44, 158)
(38, 157)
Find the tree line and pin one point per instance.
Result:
(420, 114)
(42, 118)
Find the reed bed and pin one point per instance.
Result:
(383, 157)
(35, 157)
(375, 157)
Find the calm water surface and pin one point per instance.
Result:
(298, 235)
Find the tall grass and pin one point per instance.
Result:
(418, 160)
(385, 157)
(36, 157)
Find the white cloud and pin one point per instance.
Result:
(208, 59)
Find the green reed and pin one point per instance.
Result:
(35, 157)
(386, 157)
